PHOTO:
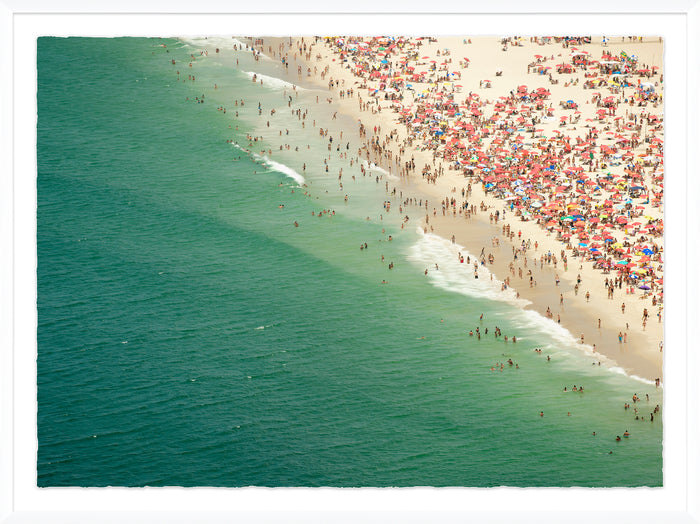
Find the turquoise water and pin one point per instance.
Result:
(190, 335)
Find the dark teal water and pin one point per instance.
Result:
(190, 335)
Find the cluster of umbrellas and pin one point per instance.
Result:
(593, 191)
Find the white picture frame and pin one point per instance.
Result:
(21, 21)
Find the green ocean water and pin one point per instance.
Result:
(190, 335)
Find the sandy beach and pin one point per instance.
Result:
(621, 339)
(568, 100)
(354, 267)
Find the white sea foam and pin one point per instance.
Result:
(620, 371)
(274, 166)
(218, 42)
(453, 275)
(212, 42)
(457, 277)
(201, 42)
(272, 82)
(371, 166)
(280, 168)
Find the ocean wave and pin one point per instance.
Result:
(371, 166)
(209, 41)
(273, 82)
(274, 166)
(221, 42)
(218, 42)
(280, 168)
(457, 277)
(453, 275)
(620, 371)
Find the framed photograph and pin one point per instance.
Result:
(304, 264)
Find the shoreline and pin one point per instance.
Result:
(638, 353)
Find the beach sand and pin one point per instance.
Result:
(640, 351)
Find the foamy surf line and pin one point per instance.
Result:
(274, 166)
(371, 166)
(272, 81)
(459, 277)
(281, 168)
(219, 42)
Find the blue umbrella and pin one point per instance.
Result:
(647, 251)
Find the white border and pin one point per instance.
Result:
(18, 494)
